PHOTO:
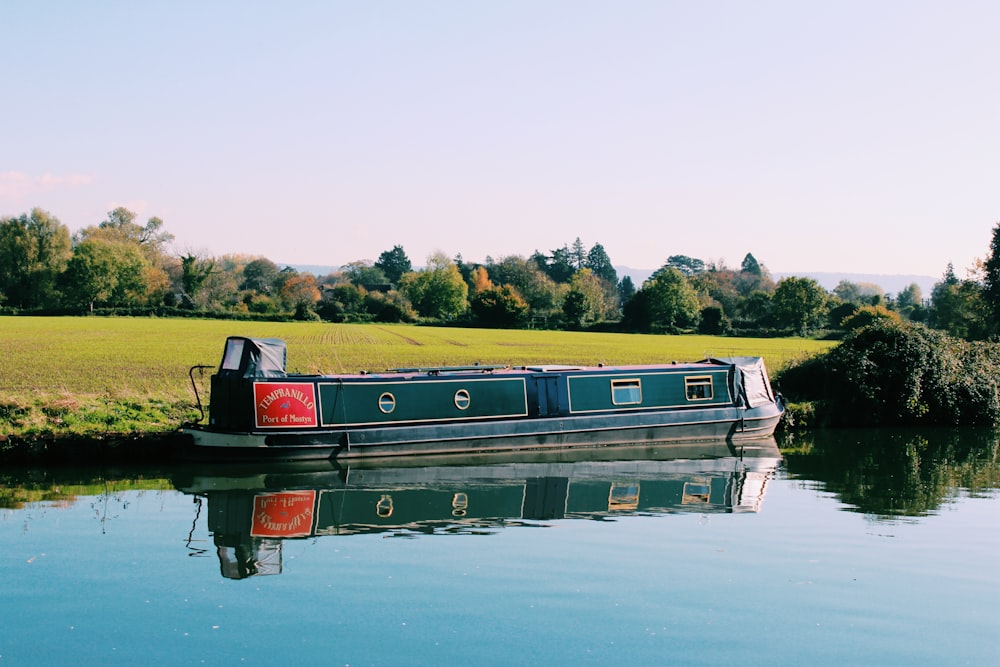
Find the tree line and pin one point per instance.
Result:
(120, 265)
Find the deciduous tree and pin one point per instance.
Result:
(300, 293)
(534, 286)
(194, 271)
(587, 299)
(364, 274)
(909, 300)
(103, 272)
(259, 276)
(958, 307)
(498, 306)
(798, 304)
(665, 301)
(686, 265)
(480, 280)
(438, 291)
(121, 227)
(862, 294)
(34, 250)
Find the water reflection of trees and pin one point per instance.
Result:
(63, 487)
(896, 473)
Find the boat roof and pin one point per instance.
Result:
(267, 357)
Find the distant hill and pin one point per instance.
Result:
(314, 269)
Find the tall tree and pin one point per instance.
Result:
(540, 291)
(751, 265)
(34, 250)
(753, 277)
(862, 294)
(959, 307)
(539, 259)
(586, 301)
(798, 303)
(221, 288)
(599, 262)
(991, 282)
(121, 227)
(626, 289)
(578, 256)
(909, 300)
(364, 274)
(300, 293)
(665, 301)
(394, 263)
(686, 265)
(150, 239)
(479, 280)
(103, 272)
(437, 291)
(194, 271)
(561, 266)
(498, 306)
(259, 276)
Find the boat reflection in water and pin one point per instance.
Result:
(251, 511)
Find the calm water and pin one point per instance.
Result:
(848, 548)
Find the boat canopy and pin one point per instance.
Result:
(750, 381)
(254, 357)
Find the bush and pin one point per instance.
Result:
(714, 321)
(902, 374)
(866, 316)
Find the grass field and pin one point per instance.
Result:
(92, 375)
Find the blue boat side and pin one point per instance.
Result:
(255, 404)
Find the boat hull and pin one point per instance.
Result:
(728, 424)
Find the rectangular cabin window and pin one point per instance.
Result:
(698, 387)
(626, 392)
(697, 492)
(623, 496)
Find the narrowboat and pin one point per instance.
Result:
(257, 409)
(253, 508)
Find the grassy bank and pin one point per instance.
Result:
(98, 376)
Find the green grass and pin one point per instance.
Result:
(128, 375)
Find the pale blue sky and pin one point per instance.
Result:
(820, 136)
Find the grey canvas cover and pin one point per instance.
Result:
(254, 357)
(750, 380)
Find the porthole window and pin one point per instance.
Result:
(386, 403)
(462, 399)
(383, 508)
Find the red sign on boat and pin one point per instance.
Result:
(285, 514)
(284, 404)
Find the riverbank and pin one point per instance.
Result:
(109, 449)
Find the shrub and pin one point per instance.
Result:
(899, 373)
(714, 321)
(866, 316)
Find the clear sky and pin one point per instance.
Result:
(852, 136)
